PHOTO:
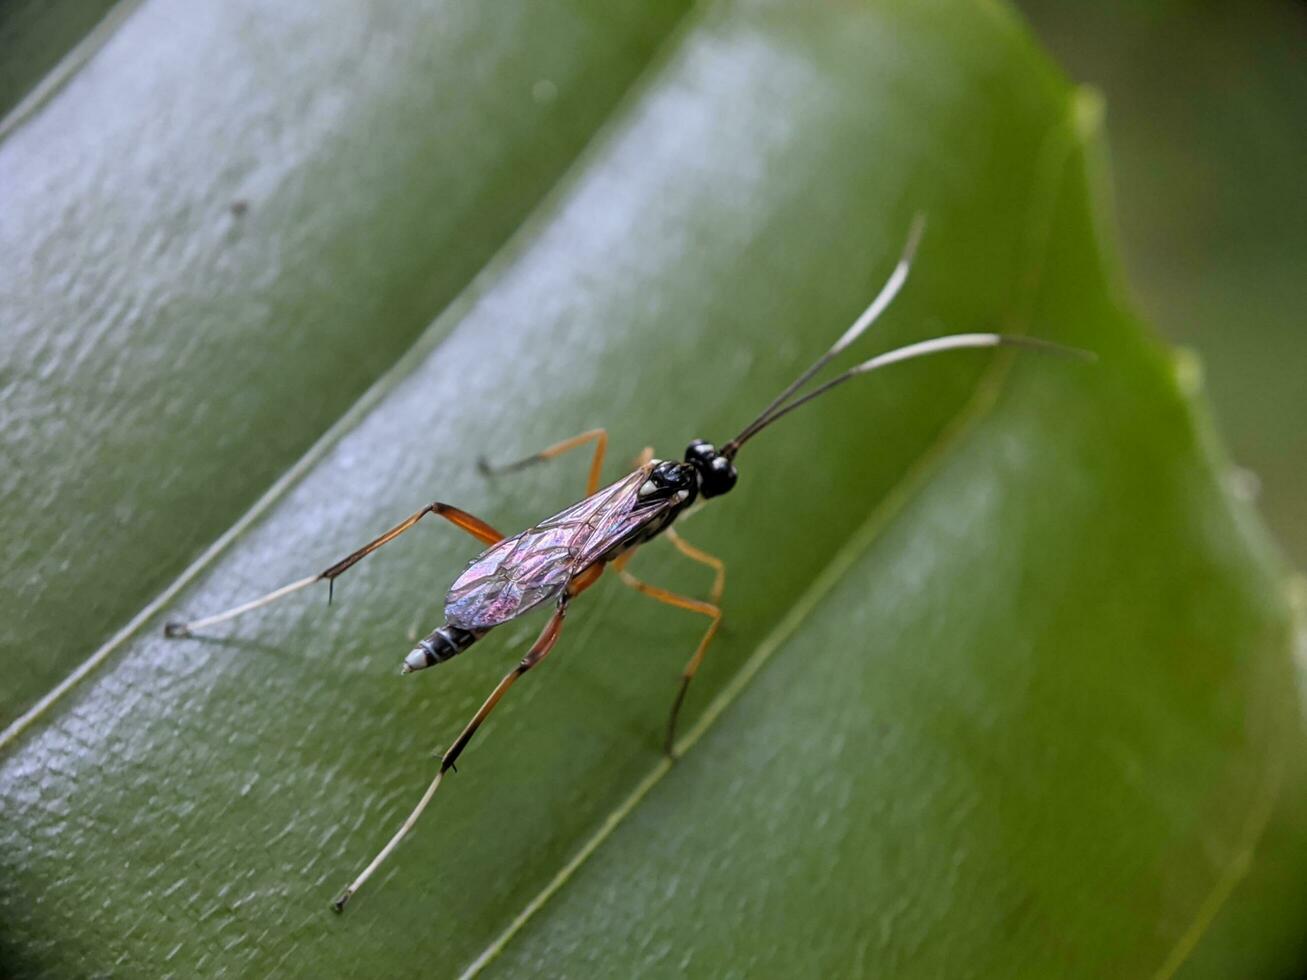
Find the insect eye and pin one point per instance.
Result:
(700, 451)
(718, 477)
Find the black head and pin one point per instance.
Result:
(716, 472)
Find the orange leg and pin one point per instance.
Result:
(598, 436)
(474, 526)
(539, 650)
(703, 558)
(711, 610)
(543, 644)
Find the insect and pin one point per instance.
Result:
(552, 563)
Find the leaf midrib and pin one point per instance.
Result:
(1081, 124)
(978, 405)
(984, 397)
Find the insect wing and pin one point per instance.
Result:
(617, 518)
(521, 572)
(502, 584)
(617, 522)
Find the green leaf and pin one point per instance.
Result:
(1005, 685)
(218, 233)
(1215, 257)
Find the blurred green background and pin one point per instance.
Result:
(1207, 125)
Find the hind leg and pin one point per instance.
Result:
(712, 611)
(474, 526)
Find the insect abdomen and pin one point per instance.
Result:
(440, 645)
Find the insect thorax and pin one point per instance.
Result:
(646, 533)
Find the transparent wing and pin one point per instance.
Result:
(521, 572)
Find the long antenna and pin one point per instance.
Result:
(781, 406)
(869, 316)
(924, 348)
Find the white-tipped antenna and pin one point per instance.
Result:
(883, 299)
(869, 316)
(924, 348)
(781, 406)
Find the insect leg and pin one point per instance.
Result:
(711, 610)
(474, 526)
(598, 436)
(703, 558)
(543, 644)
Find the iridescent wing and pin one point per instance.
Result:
(521, 572)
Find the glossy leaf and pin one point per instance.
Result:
(218, 233)
(1005, 686)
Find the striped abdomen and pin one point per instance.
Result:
(440, 645)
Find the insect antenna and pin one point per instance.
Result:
(936, 345)
(781, 405)
(869, 316)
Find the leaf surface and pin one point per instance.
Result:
(1005, 686)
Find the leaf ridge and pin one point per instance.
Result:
(1055, 154)
(977, 407)
(422, 346)
(67, 67)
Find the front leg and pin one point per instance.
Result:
(708, 609)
